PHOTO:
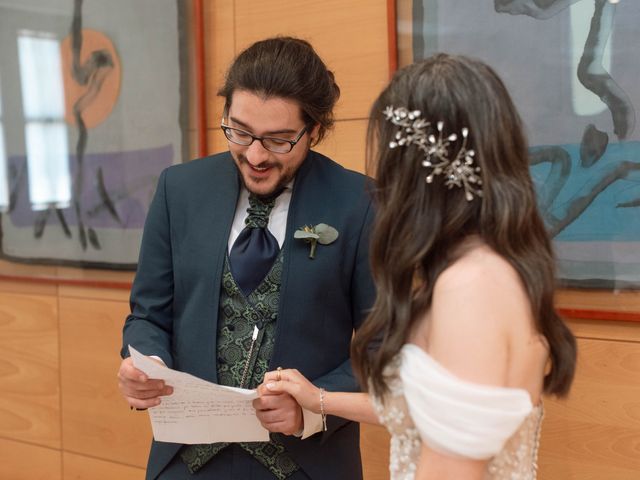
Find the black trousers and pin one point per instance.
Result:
(232, 463)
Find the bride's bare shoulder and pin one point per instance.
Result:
(479, 267)
(481, 290)
(479, 305)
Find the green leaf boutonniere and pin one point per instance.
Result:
(321, 233)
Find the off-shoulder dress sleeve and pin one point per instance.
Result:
(457, 417)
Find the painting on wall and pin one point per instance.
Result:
(93, 106)
(572, 68)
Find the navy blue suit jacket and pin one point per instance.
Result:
(176, 292)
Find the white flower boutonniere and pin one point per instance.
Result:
(321, 233)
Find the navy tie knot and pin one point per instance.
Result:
(259, 211)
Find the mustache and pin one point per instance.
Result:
(266, 164)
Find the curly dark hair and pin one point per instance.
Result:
(290, 68)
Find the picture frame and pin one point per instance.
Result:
(95, 101)
(585, 143)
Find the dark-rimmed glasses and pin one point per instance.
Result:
(273, 144)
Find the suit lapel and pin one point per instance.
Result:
(217, 219)
(302, 186)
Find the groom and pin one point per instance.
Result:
(226, 292)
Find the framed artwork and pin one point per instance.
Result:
(93, 106)
(572, 69)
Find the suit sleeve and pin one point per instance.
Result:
(149, 326)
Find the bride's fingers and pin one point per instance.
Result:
(281, 386)
(288, 374)
(306, 394)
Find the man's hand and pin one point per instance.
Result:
(139, 390)
(278, 412)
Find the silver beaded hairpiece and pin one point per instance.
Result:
(458, 172)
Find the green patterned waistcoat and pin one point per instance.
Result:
(238, 316)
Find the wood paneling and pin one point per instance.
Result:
(345, 144)
(219, 51)
(77, 291)
(191, 67)
(21, 461)
(374, 449)
(29, 288)
(217, 141)
(608, 300)
(351, 37)
(91, 275)
(606, 330)
(78, 467)
(193, 146)
(97, 420)
(29, 374)
(404, 16)
(597, 429)
(24, 269)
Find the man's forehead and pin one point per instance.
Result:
(272, 111)
(265, 98)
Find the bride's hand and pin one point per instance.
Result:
(295, 384)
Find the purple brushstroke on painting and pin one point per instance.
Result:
(129, 178)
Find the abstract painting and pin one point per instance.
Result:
(92, 109)
(572, 68)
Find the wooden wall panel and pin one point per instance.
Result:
(24, 269)
(192, 121)
(345, 144)
(595, 433)
(22, 461)
(29, 288)
(606, 330)
(94, 276)
(374, 449)
(78, 467)
(78, 291)
(217, 141)
(219, 53)
(29, 370)
(97, 420)
(351, 37)
(607, 300)
(193, 146)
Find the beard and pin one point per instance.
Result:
(283, 174)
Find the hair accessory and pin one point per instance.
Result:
(414, 130)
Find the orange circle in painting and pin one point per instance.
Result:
(96, 99)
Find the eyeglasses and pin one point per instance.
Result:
(273, 144)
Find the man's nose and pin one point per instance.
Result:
(256, 153)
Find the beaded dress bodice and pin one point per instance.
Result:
(515, 461)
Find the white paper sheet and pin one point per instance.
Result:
(199, 411)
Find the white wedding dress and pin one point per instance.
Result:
(427, 403)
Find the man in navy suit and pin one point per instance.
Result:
(225, 291)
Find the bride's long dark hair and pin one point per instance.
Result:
(421, 226)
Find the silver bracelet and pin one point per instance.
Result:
(324, 415)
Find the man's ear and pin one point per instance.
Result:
(313, 133)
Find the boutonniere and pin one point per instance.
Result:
(321, 233)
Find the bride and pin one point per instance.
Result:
(463, 339)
